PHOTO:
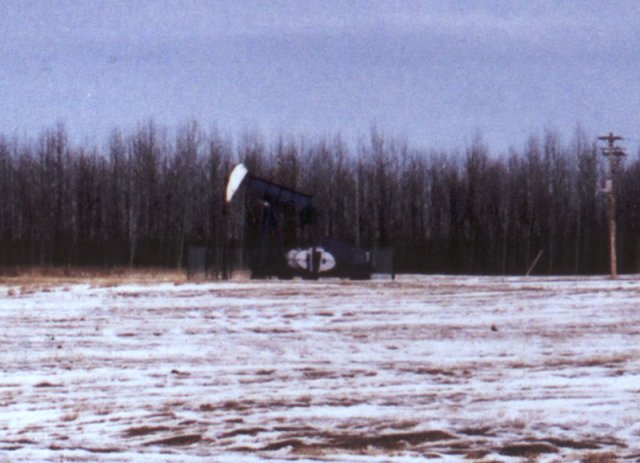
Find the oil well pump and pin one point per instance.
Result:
(311, 258)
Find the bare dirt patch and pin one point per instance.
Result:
(46, 384)
(176, 441)
(101, 449)
(527, 450)
(360, 443)
(481, 431)
(145, 430)
(573, 444)
(243, 432)
(390, 441)
(600, 458)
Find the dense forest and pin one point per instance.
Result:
(147, 195)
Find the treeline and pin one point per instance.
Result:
(147, 195)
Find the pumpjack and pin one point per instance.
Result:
(312, 259)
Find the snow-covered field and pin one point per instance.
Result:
(450, 368)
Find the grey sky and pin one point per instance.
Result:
(434, 72)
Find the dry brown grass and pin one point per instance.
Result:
(31, 279)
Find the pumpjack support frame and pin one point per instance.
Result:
(323, 257)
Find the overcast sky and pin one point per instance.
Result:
(435, 73)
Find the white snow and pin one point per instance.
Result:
(453, 368)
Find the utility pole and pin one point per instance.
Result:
(613, 154)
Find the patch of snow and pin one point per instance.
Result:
(329, 370)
